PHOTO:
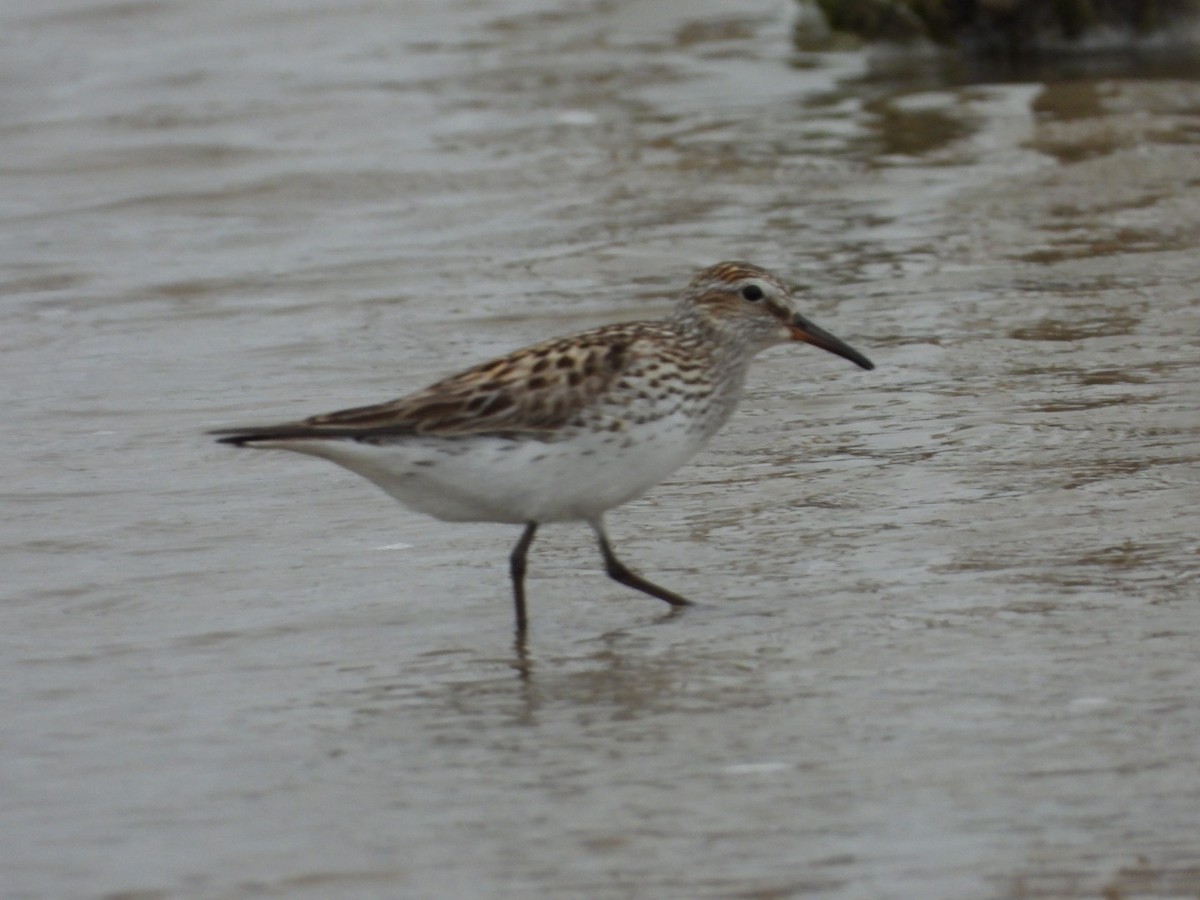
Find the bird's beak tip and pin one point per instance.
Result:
(803, 330)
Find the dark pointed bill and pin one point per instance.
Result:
(804, 330)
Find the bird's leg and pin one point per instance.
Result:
(618, 572)
(516, 565)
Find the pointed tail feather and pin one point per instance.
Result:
(292, 431)
(245, 437)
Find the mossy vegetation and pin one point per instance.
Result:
(1002, 24)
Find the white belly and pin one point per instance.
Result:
(495, 479)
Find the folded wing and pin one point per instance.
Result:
(534, 390)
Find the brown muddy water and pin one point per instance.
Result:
(950, 639)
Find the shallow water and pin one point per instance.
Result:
(947, 643)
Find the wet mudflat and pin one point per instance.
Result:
(947, 646)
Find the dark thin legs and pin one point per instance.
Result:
(614, 567)
(516, 565)
(618, 572)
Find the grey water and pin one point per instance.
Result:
(947, 645)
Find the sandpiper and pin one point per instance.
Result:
(569, 428)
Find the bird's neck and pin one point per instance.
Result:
(722, 341)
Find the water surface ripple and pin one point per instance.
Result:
(948, 647)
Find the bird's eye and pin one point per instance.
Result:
(752, 292)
